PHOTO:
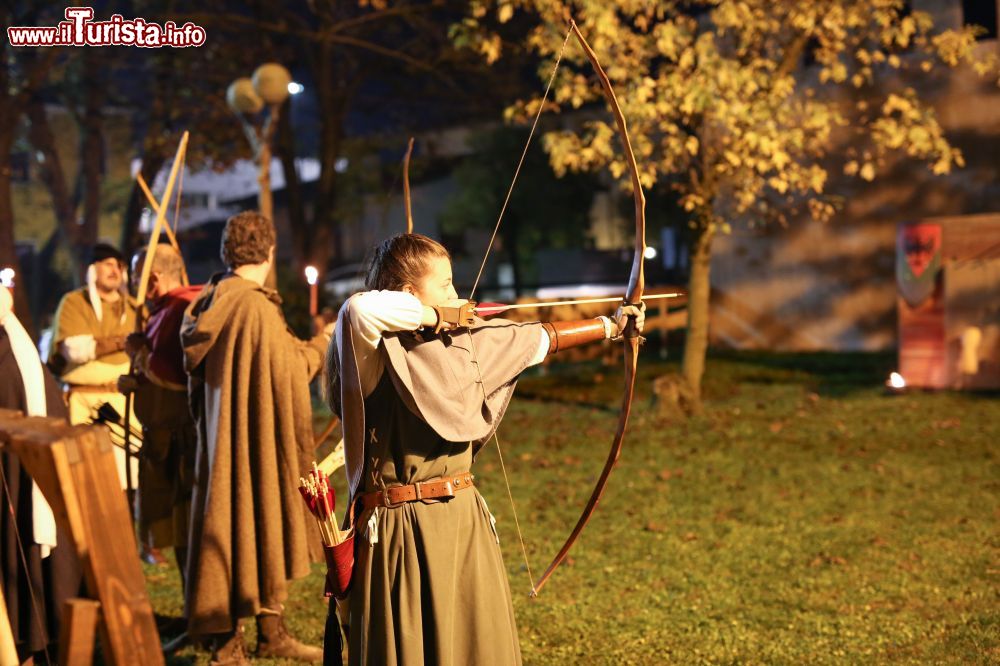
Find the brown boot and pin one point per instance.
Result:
(229, 649)
(273, 640)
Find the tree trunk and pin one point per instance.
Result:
(699, 289)
(285, 147)
(334, 95)
(92, 150)
(513, 242)
(43, 140)
(8, 250)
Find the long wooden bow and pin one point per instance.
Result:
(633, 295)
(406, 187)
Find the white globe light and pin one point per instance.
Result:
(311, 274)
(294, 88)
(896, 381)
(649, 252)
(271, 80)
(242, 98)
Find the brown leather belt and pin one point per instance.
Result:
(91, 388)
(394, 496)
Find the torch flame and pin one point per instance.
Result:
(312, 274)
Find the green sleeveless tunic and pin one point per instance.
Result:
(432, 589)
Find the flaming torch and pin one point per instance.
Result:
(312, 277)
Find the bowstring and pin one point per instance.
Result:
(520, 163)
(503, 467)
(472, 293)
(36, 612)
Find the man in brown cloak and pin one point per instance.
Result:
(249, 391)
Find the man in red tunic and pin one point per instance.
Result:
(166, 467)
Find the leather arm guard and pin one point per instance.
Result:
(461, 317)
(566, 334)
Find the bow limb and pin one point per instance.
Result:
(406, 187)
(633, 295)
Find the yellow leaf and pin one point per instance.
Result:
(868, 171)
(505, 12)
(817, 180)
(691, 145)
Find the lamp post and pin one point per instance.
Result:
(247, 97)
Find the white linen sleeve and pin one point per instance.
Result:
(543, 349)
(373, 313)
(79, 348)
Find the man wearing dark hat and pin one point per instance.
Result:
(88, 343)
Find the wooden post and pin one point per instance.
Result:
(76, 633)
(8, 649)
(75, 468)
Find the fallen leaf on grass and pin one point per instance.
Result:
(776, 427)
(689, 536)
(824, 558)
(946, 424)
(654, 527)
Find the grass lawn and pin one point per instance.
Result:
(807, 517)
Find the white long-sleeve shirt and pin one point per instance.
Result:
(374, 313)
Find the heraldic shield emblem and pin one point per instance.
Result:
(918, 261)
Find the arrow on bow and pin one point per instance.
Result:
(492, 309)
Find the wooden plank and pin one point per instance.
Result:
(76, 635)
(114, 574)
(48, 463)
(75, 468)
(8, 650)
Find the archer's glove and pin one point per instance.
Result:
(622, 314)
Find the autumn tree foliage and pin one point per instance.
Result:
(733, 104)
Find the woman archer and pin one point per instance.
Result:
(420, 385)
